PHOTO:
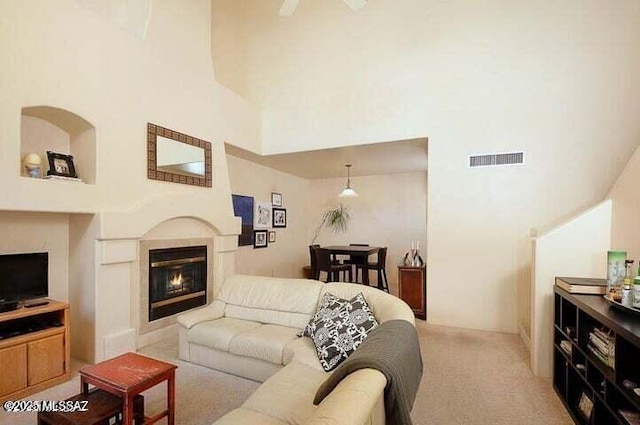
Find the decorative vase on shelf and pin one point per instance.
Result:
(417, 259)
(32, 164)
(413, 258)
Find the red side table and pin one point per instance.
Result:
(128, 375)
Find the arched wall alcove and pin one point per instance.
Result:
(47, 128)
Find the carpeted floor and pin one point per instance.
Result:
(470, 378)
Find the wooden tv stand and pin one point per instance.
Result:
(34, 349)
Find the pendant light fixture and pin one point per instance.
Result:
(348, 192)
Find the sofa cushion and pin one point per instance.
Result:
(279, 301)
(301, 350)
(265, 342)
(338, 327)
(288, 395)
(219, 333)
(282, 318)
(213, 311)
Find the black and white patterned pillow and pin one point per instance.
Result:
(339, 327)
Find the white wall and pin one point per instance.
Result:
(625, 194)
(69, 57)
(37, 232)
(577, 248)
(557, 80)
(228, 44)
(289, 254)
(390, 211)
(61, 54)
(39, 136)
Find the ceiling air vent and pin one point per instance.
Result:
(495, 159)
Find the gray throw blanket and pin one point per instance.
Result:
(393, 349)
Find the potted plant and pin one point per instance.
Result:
(335, 218)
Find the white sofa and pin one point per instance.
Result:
(250, 330)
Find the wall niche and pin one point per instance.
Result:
(45, 128)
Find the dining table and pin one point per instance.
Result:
(355, 251)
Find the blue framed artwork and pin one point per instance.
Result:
(243, 208)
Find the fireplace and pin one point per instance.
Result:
(177, 280)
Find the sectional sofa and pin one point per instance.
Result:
(251, 330)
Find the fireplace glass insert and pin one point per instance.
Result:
(177, 280)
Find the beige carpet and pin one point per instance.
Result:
(470, 378)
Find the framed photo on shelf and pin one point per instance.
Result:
(272, 236)
(279, 217)
(276, 199)
(61, 165)
(260, 239)
(585, 406)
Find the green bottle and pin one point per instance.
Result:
(628, 274)
(636, 289)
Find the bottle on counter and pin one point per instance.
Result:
(628, 274)
(615, 274)
(636, 291)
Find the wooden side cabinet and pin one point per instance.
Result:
(412, 288)
(34, 349)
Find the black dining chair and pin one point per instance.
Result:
(313, 261)
(325, 264)
(380, 267)
(357, 262)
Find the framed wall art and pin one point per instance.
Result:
(260, 239)
(272, 236)
(243, 208)
(279, 217)
(61, 165)
(262, 216)
(276, 199)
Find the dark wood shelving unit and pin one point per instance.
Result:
(580, 372)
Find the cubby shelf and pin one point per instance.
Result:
(581, 372)
(51, 196)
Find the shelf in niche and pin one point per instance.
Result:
(31, 194)
(74, 182)
(46, 128)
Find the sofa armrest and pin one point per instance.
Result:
(213, 311)
(357, 400)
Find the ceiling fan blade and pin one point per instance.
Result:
(288, 7)
(355, 4)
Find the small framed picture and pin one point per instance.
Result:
(272, 236)
(585, 406)
(61, 165)
(260, 239)
(262, 215)
(276, 199)
(279, 217)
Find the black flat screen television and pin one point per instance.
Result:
(24, 276)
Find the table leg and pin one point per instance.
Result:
(365, 271)
(127, 413)
(171, 385)
(84, 386)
